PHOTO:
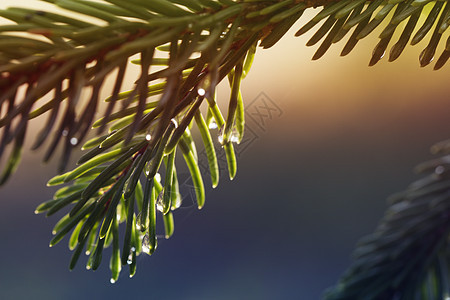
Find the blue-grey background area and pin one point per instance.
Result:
(308, 187)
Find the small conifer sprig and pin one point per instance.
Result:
(407, 257)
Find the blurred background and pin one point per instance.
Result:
(326, 142)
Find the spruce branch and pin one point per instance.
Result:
(117, 180)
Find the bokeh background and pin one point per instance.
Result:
(311, 181)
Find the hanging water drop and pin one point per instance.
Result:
(201, 92)
(220, 135)
(439, 170)
(73, 141)
(65, 132)
(148, 137)
(138, 221)
(159, 202)
(112, 280)
(158, 177)
(234, 136)
(146, 244)
(212, 124)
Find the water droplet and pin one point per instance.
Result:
(158, 177)
(65, 132)
(159, 202)
(138, 221)
(146, 244)
(234, 137)
(130, 259)
(201, 92)
(174, 122)
(133, 249)
(439, 170)
(73, 141)
(220, 135)
(148, 137)
(112, 280)
(212, 124)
